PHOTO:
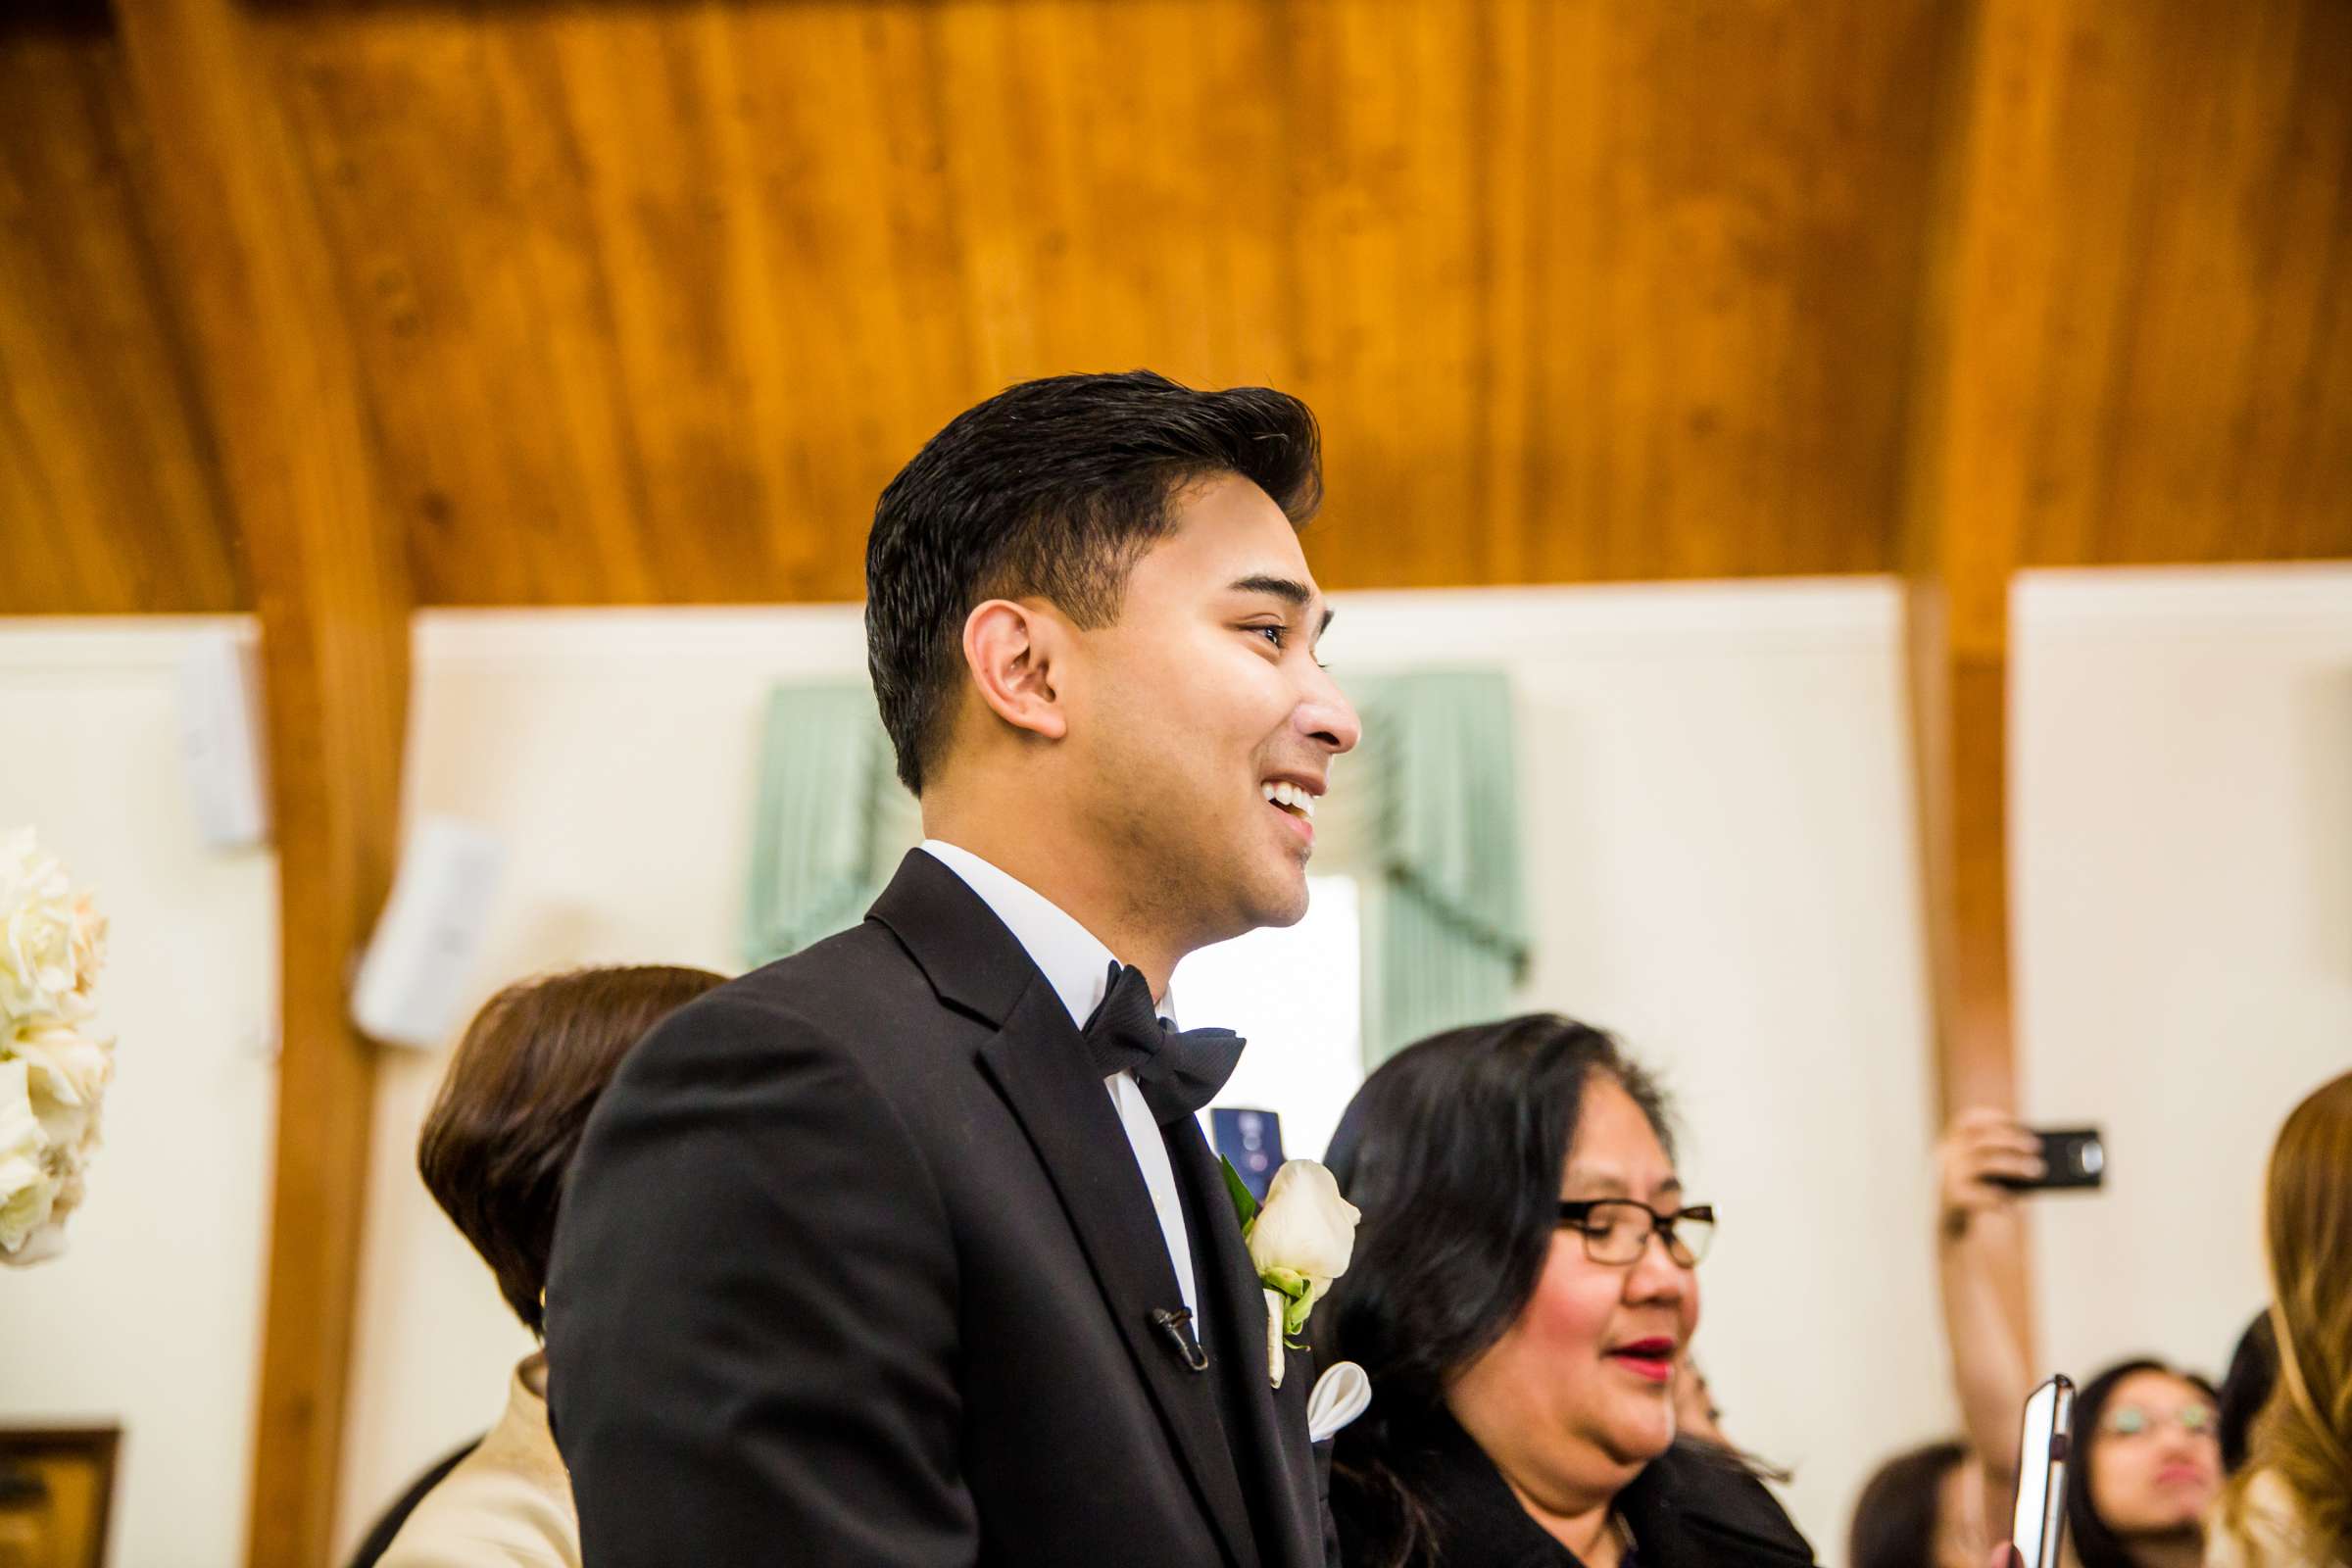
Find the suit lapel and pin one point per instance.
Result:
(1039, 1064)
(1272, 1445)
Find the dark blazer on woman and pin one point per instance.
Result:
(1692, 1507)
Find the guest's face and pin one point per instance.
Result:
(1578, 1394)
(1205, 691)
(2155, 1462)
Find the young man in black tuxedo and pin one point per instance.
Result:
(908, 1249)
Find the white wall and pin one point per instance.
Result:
(152, 1318)
(2182, 839)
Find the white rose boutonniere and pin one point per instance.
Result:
(1300, 1240)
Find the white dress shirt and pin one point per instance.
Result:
(1077, 965)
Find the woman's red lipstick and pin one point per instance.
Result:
(1649, 1360)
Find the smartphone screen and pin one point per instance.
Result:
(1253, 1141)
(2043, 1452)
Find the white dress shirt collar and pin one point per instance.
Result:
(1072, 958)
(1077, 965)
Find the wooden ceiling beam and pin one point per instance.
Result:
(1984, 299)
(282, 381)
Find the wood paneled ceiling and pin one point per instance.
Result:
(649, 299)
(111, 491)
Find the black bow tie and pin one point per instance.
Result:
(1179, 1070)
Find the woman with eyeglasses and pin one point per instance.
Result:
(2153, 1467)
(2151, 1458)
(1524, 1281)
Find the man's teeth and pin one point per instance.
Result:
(1291, 797)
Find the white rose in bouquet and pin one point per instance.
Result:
(53, 1068)
(67, 1072)
(68, 1065)
(89, 954)
(39, 925)
(28, 1189)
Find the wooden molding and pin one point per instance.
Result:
(1961, 530)
(282, 381)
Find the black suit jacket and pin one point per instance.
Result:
(856, 1266)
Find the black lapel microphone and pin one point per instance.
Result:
(1177, 1324)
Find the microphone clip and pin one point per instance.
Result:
(1177, 1324)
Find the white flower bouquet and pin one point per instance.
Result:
(54, 1065)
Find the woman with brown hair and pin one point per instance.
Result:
(495, 1150)
(2291, 1508)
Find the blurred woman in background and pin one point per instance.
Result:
(495, 1149)
(2152, 1436)
(2149, 1465)
(1922, 1509)
(1522, 1285)
(2291, 1508)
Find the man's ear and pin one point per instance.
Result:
(1012, 648)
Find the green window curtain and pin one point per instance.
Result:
(1447, 937)
(831, 820)
(1436, 780)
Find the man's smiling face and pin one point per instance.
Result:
(1205, 726)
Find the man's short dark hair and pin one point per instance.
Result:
(1053, 489)
(507, 1120)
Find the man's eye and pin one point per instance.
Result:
(1275, 634)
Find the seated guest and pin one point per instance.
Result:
(1922, 1509)
(2149, 1465)
(494, 1153)
(1522, 1284)
(2291, 1508)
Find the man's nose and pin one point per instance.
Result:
(1326, 715)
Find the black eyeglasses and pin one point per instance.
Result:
(1616, 1230)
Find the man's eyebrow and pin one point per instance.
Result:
(1290, 590)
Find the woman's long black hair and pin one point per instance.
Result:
(1453, 1151)
(2096, 1545)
